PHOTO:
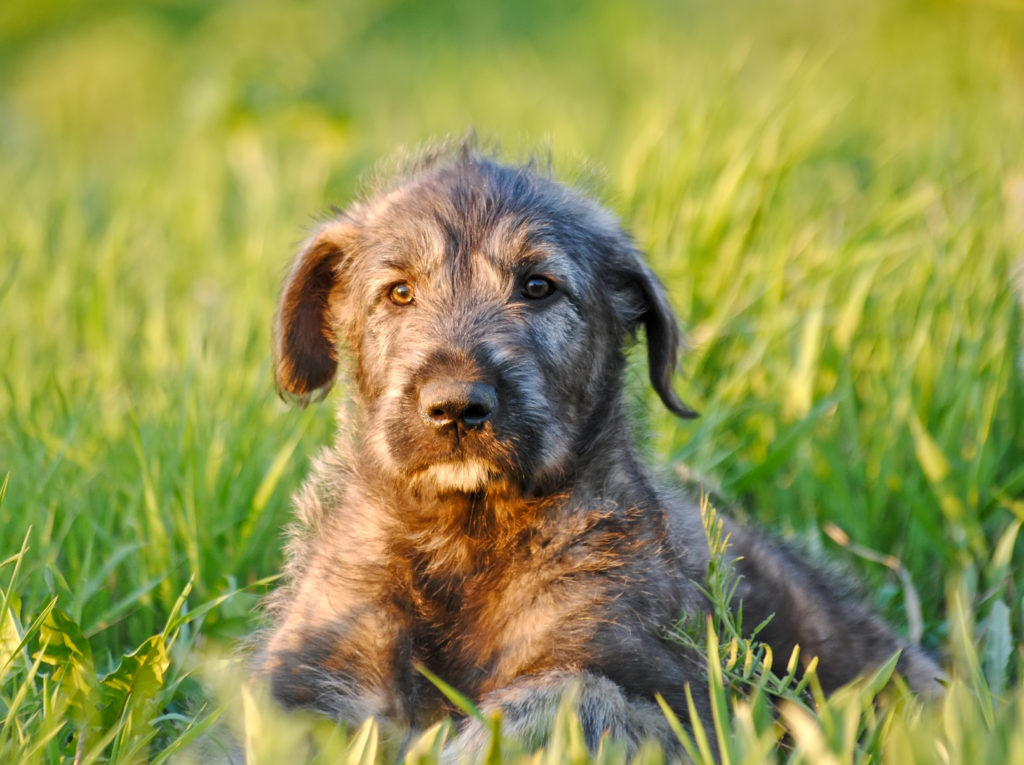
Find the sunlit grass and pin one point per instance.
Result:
(832, 192)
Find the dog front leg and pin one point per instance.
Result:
(528, 707)
(352, 667)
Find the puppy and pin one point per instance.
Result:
(483, 512)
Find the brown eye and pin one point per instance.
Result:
(400, 294)
(537, 288)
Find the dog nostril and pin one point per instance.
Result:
(438, 413)
(476, 414)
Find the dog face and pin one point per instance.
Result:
(486, 308)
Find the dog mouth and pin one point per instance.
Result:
(459, 460)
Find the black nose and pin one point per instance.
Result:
(470, 404)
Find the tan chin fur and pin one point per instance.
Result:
(464, 476)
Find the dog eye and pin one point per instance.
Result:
(537, 287)
(400, 294)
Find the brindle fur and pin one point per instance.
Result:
(524, 551)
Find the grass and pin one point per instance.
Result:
(833, 192)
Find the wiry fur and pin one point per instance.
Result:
(512, 541)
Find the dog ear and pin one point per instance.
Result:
(663, 337)
(305, 341)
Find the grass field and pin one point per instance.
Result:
(833, 192)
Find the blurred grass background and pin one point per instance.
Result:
(832, 191)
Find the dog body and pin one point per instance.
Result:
(483, 511)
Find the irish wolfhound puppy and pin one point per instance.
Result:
(483, 511)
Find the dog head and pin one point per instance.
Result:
(486, 307)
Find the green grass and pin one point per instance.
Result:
(833, 192)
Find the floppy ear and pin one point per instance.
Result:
(305, 342)
(663, 338)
